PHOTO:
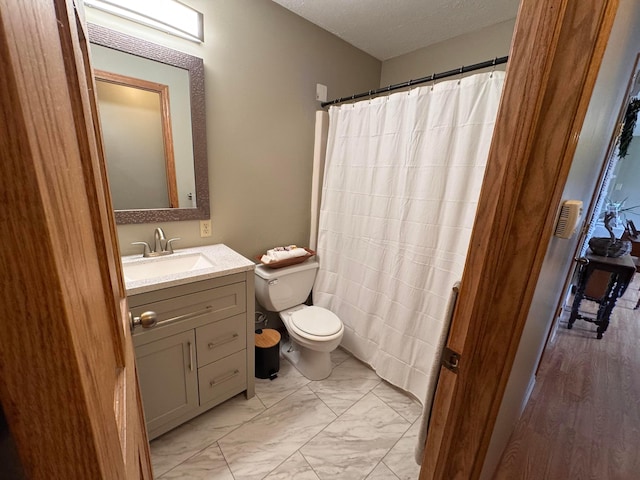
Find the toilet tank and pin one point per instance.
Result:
(280, 288)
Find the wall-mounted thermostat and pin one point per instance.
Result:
(570, 215)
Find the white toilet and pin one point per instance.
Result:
(314, 331)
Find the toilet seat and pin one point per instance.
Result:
(316, 321)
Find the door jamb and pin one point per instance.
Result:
(554, 61)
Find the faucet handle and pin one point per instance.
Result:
(147, 248)
(169, 247)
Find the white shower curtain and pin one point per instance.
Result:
(402, 179)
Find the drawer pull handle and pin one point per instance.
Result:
(190, 356)
(206, 309)
(217, 381)
(213, 345)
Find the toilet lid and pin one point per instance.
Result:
(316, 321)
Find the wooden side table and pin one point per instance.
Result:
(635, 246)
(620, 270)
(635, 253)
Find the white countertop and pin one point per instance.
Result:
(225, 262)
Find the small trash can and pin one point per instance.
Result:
(267, 353)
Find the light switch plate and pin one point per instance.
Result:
(321, 92)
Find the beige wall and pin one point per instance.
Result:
(475, 47)
(262, 64)
(596, 133)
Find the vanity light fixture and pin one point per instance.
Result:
(168, 16)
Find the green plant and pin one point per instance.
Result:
(630, 117)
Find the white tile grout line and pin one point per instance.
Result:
(225, 458)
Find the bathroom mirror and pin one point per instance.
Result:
(157, 164)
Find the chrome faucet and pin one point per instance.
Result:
(162, 246)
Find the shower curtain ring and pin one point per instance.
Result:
(409, 85)
(433, 81)
(493, 67)
(461, 72)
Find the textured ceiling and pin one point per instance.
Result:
(388, 28)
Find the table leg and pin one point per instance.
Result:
(583, 277)
(614, 291)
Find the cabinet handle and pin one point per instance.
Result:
(190, 356)
(206, 309)
(213, 345)
(228, 377)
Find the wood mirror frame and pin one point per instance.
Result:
(124, 43)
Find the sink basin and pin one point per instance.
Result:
(165, 266)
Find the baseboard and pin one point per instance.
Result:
(527, 395)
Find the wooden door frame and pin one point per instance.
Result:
(68, 383)
(554, 61)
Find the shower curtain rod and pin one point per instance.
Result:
(430, 78)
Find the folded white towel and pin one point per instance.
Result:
(281, 249)
(279, 255)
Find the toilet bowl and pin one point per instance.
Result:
(314, 332)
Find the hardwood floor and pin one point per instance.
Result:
(583, 418)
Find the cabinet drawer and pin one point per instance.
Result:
(221, 338)
(192, 310)
(221, 379)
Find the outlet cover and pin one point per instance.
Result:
(205, 228)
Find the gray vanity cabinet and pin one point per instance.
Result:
(201, 351)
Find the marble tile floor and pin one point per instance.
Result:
(350, 426)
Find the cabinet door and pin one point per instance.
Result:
(168, 379)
